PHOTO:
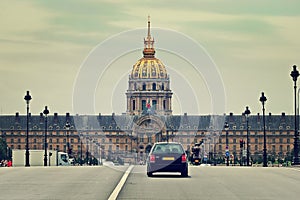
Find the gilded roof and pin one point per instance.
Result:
(148, 68)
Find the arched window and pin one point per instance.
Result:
(144, 86)
(154, 86)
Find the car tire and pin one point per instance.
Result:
(184, 173)
(149, 174)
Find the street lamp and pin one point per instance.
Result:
(46, 112)
(226, 127)
(87, 150)
(68, 143)
(263, 99)
(27, 98)
(294, 74)
(247, 113)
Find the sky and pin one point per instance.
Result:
(252, 44)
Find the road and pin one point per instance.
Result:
(87, 182)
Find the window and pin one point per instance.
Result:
(144, 87)
(164, 104)
(154, 102)
(133, 104)
(256, 147)
(154, 86)
(162, 86)
(11, 140)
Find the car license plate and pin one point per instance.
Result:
(168, 158)
(196, 160)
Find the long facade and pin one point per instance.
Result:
(112, 136)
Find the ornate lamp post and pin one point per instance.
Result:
(27, 98)
(294, 74)
(226, 127)
(68, 143)
(263, 99)
(247, 113)
(46, 112)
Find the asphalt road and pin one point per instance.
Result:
(232, 183)
(90, 183)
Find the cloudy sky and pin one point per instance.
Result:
(44, 45)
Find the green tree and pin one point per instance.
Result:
(3, 149)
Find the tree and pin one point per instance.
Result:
(3, 150)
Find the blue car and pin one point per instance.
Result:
(167, 157)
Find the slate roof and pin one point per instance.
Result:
(125, 122)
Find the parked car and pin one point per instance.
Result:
(167, 157)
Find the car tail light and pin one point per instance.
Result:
(152, 158)
(183, 158)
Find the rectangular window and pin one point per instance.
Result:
(164, 104)
(154, 102)
(133, 104)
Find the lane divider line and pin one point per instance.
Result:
(115, 193)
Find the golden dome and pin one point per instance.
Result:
(148, 66)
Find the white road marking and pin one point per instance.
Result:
(115, 193)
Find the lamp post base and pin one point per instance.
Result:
(27, 158)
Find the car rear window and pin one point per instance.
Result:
(168, 148)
